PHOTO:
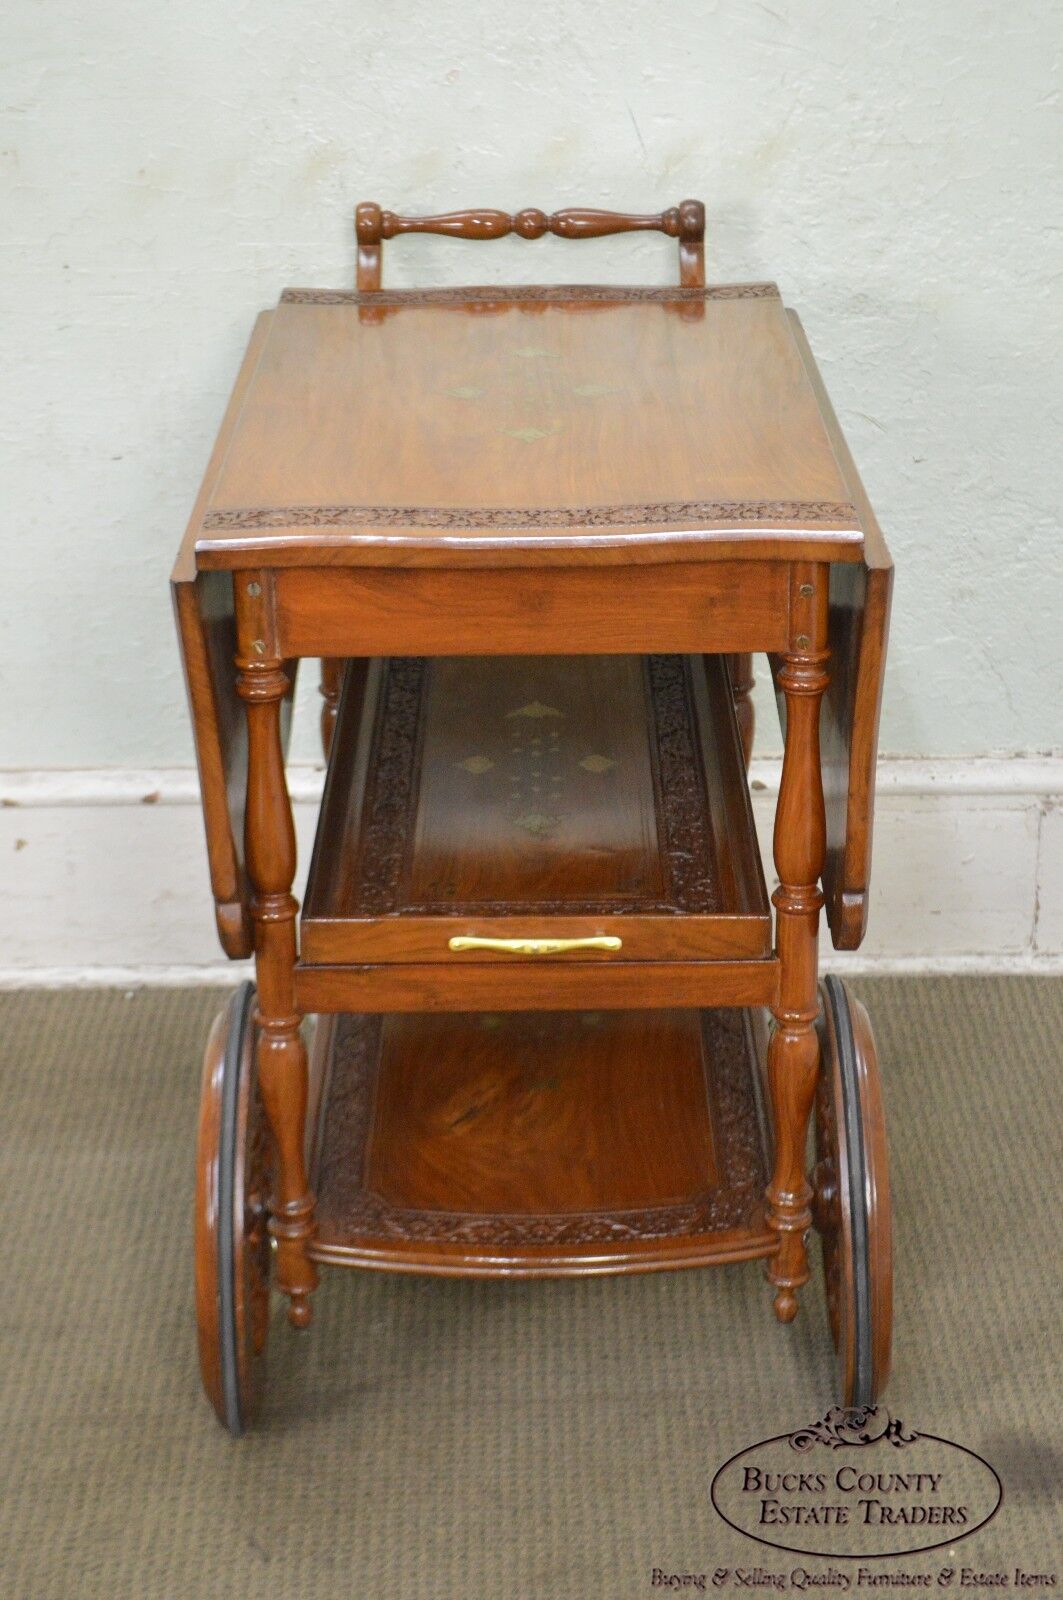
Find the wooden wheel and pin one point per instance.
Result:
(851, 1200)
(233, 1247)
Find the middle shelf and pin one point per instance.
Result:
(564, 798)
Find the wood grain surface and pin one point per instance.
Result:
(573, 1142)
(530, 986)
(554, 797)
(860, 599)
(440, 429)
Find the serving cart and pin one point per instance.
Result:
(534, 535)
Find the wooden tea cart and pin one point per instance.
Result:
(534, 536)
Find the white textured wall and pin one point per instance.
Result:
(167, 168)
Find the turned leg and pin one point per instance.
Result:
(331, 682)
(800, 844)
(742, 682)
(269, 840)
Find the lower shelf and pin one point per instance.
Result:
(532, 1144)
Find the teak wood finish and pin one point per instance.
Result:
(490, 798)
(269, 840)
(477, 476)
(576, 436)
(475, 1144)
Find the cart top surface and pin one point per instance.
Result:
(484, 426)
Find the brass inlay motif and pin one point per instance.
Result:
(535, 708)
(597, 763)
(537, 822)
(476, 764)
(529, 435)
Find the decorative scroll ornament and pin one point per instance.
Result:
(853, 1425)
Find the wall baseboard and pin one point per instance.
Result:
(106, 872)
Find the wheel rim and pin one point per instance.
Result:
(851, 1196)
(230, 1205)
(233, 1251)
(880, 1224)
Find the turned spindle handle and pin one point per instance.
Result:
(685, 222)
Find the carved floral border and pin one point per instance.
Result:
(347, 1210)
(547, 294)
(664, 513)
(684, 836)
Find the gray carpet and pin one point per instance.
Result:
(452, 1439)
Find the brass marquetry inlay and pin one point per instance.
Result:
(550, 760)
(532, 431)
(537, 823)
(536, 709)
(529, 435)
(536, 768)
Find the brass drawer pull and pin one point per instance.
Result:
(535, 947)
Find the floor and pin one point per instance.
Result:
(452, 1439)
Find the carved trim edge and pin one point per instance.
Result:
(346, 1209)
(664, 514)
(683, 812)
(548, 294)
(391, 795)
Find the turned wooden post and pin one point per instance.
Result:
(800, 846)
(742, 681)
(269, 843)
(331, 683)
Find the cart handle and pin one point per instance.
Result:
(535, 947)
(685, 222)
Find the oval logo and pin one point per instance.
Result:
(858, 1483)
